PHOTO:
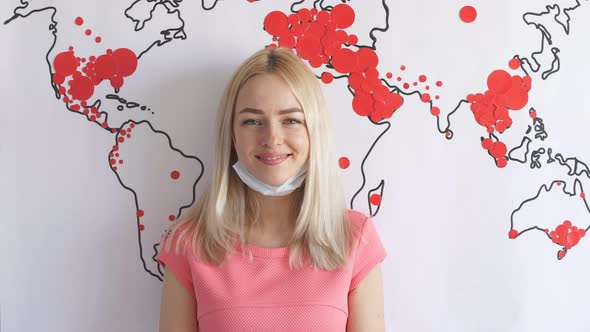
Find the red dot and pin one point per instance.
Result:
(499, 81)
(402, 67)
(175, 175)
(132, 125)
(141, 227)
(58, 78)
(514, 63)
(422, 78)
(501, 162)
(113, 161)
(171, 217)
(82, 88)
(558, 183)
(425, 97)
(125, 61)
(513, 234)
(435, 111)
(65, 63)
(79, 20)
(343, 162)
(352, 40)
(121, 139)
(344, 60)
(487, 143)
(323, 17)
(406, 86)
(115, 168)
(533, 114)
(427, 87)
(363, 103)
(468, 14)
(276, 22)
(582, 195)
(375, 199)
(115, 148)
(98, 39)
(327, 77)
(437, 97)
(117, 82)
(439, 83)
(140, 213)
(88, 32)
(399, 79)
(343, 16)
(389, 75)
(561, 254)
(105, 67)
(498, 149)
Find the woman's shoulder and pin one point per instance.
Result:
(356, 218)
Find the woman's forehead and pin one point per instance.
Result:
(268, 93)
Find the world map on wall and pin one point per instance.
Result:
(318, 33)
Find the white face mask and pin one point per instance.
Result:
(286, 188)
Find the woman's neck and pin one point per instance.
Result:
(276, 218)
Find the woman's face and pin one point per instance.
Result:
(270, 132)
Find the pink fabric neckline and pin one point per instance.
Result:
(265, 251)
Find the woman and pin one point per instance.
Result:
(270, 246)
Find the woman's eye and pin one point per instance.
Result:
(249, 122)
(293, 121)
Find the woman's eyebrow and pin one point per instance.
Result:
(257, 111)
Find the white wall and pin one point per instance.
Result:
(74, 259)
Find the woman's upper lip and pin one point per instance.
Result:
(271, 154)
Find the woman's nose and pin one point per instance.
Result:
(271, 135)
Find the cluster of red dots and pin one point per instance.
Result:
(123, 133)
(497, 150)
(421, 82)
(491, 108)
(80, 21)
(112, 66)
(566, 235)
(317, 37)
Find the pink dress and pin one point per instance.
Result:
(265, 295)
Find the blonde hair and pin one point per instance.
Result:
(322, 233)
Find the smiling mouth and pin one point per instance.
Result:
(274, 158)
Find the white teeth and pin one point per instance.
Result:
(272, 158)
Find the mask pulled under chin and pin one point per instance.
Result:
(266, 189)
